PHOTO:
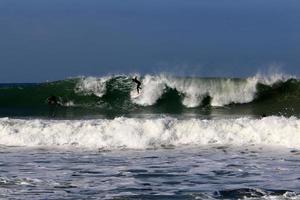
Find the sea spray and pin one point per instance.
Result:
(92, 85)
(138, 133)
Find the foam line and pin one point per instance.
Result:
(147, 133)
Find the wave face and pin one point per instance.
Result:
(159, 93)
(137, 133)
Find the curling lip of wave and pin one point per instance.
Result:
(134, 133)
(118, 93)
(223, 91)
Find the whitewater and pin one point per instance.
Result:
(133, 133)
(223, 91)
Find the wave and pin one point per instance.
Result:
(193, 91)
(119, 93)
(137, 133)
(222, 91)
(254, 193)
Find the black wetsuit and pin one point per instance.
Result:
(52, 100)
(138, 86)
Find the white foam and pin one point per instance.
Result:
(69, 104)
(152, 89)
(271, 78)
(92, 85)
(147, 133)
(223, 91)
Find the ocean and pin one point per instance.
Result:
(179, 138)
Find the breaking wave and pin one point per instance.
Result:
(119, 92)
(137, 133)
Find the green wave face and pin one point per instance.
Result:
(116, 95)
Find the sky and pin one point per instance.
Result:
(55, 39)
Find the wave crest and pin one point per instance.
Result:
(160, 92)
(223, 91)
(92, 85)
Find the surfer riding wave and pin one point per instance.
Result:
(138, 84)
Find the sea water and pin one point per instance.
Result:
(182, 138)
(210, 172)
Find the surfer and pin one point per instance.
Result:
(52, 100)
(138, 84)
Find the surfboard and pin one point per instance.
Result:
(135, 94)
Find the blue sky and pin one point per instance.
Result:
(54, 39)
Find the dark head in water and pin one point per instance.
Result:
(52, 100)
(138, 84)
